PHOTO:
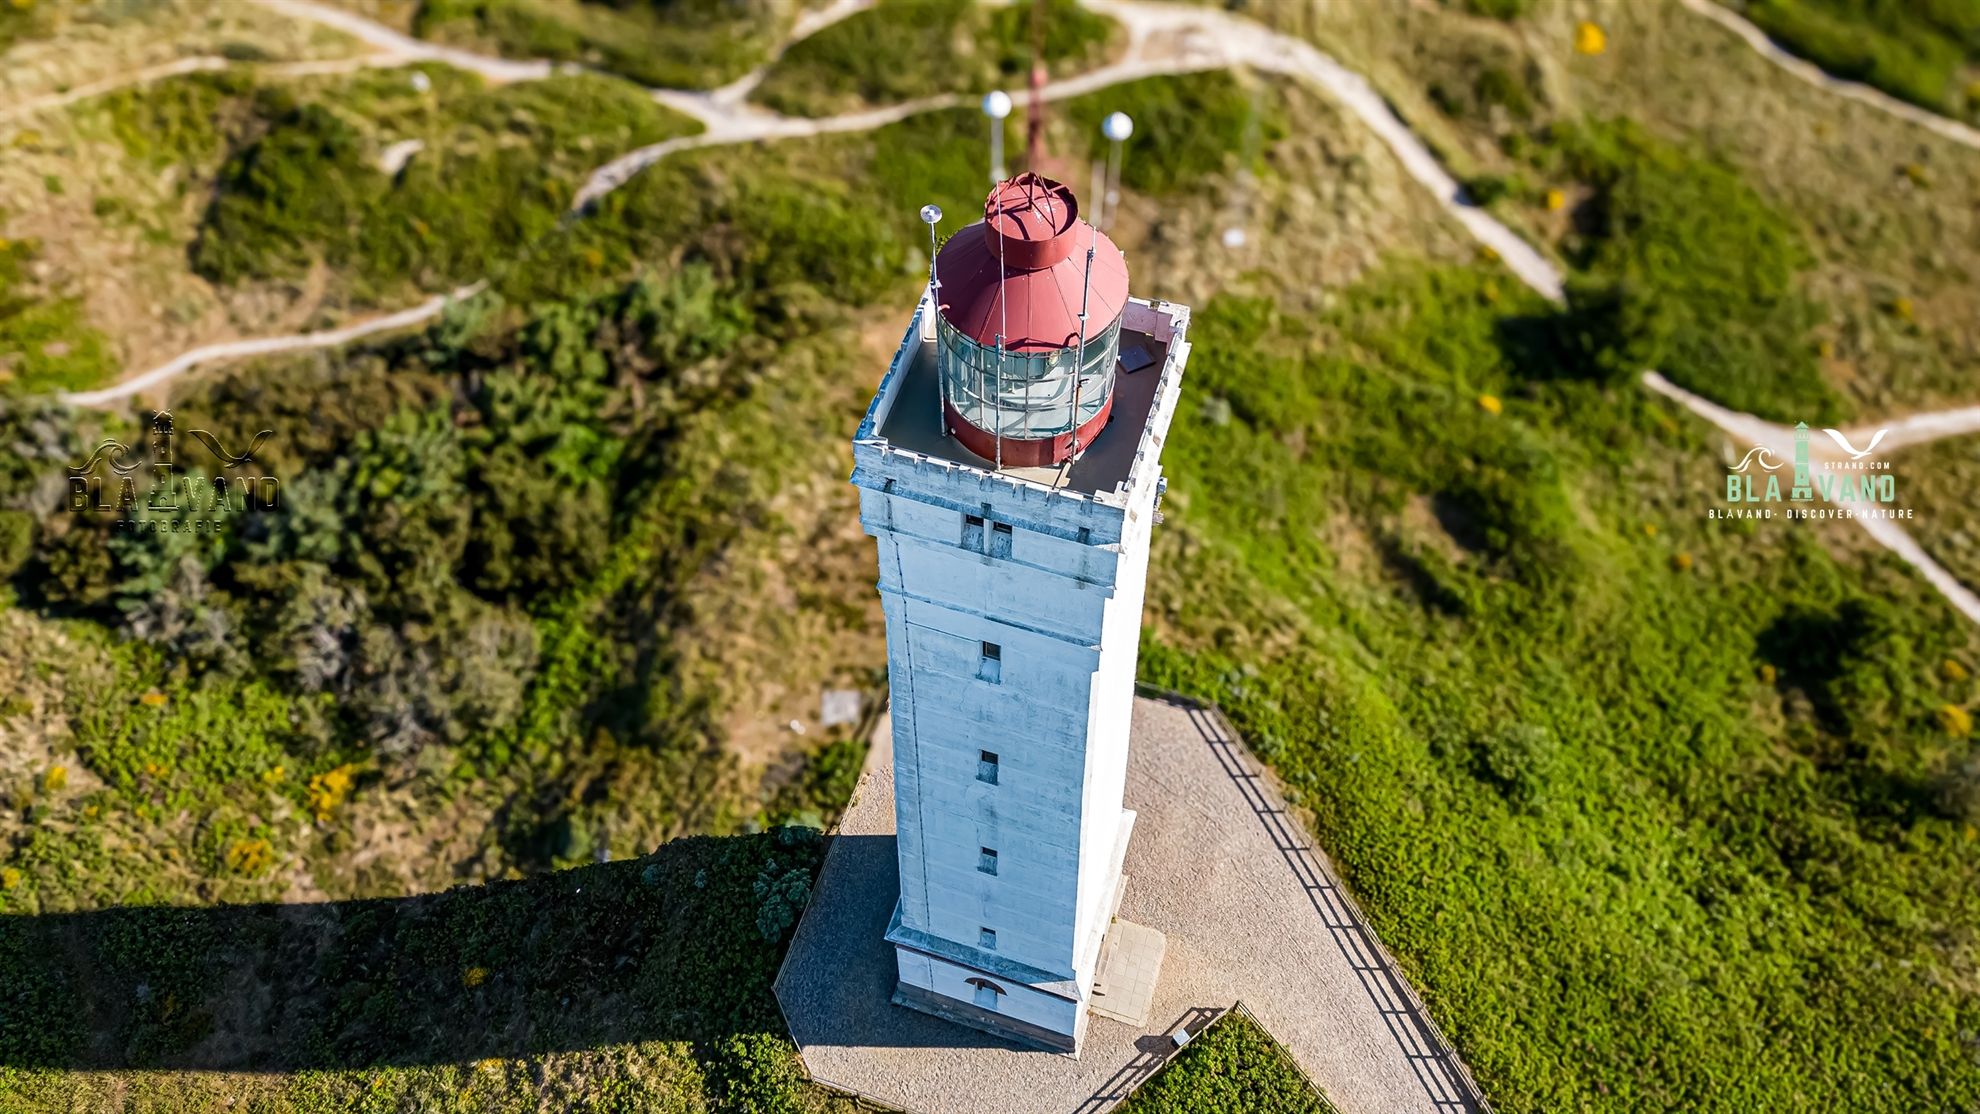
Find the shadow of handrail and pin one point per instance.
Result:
(1431, 1057)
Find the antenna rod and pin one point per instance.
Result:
(1116, 127)
(1085, 300)
(996, 106)
(931, 215)
(1034, 138)
(1003, 330)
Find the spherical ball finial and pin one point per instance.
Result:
(931, 214)
(997, 104)
(1117, 126)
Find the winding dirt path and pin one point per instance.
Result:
(1809, 72)
(1163, 38)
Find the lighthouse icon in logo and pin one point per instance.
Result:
(1802, 491)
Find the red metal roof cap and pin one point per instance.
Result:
(1033, 216)
(1034, 293)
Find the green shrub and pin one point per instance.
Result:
(1232, 1067)
(496, 178)
(1185, 128)
(902, 49)
(675, 43)
(1537, 748)
(1912, 49)
(46, 342)
(1683, 268)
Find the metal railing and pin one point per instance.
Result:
(1431, 1054)
(1285, 1054)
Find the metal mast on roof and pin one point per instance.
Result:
(1034, 139)
(1003, 330)
(931, 215)
(1079, 366)
(997, 106)
(1116, 127)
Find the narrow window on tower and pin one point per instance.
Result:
(1000, 539)
(986, 860)
(986, 993)
(973, 532)
(986, 938)
(986, 766)
(990, 667)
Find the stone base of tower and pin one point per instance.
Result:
(990, 1021)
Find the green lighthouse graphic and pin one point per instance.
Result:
(1802, 491)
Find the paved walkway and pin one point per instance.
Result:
(1251, 912)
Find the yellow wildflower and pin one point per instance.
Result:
(328, 789)
(491, 1064)
(1681, 562)
(1901, 308)
(474, 976)
(9, 878)
(1957, 721)
(249, 856)
(55, 779)
(1589, 39)
(1649, 529)
(1826, 349)
(152, 699)
(1490, 404)
(276, 776)
(1556, 201)
(1917, 174)
(1768, 674)
(593, 258)
(1951, 670)
(90, 812)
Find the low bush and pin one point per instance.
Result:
(1916, 50)
(1232, 1067)
(902, 49)
(1683, 268)
(689, 44)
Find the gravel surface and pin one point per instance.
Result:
(1251, 912)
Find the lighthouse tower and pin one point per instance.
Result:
(1010, 470)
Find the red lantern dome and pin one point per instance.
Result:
(1023, 275)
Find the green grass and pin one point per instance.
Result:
(903, 49)
(1654, 809)
(1682, 267)
(693, 44)
(1232, 1067)
(501, 168)
(1923, 51)
(1184, 130)
(635, 985)
(46, 343)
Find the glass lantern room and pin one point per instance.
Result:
(1027, 395)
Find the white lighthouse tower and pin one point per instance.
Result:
(1009, 468)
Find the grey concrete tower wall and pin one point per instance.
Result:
(1013, 612)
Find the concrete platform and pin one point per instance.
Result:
(1250, 911)
(1130, 966)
